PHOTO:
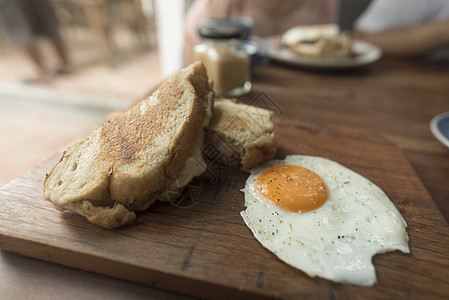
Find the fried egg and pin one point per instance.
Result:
(322, 218)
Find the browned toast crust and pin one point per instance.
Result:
(122, 163)
(242, 132)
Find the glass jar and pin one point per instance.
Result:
(227, 62)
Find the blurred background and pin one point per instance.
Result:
(119, 51)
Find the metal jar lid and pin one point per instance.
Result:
(218, 32)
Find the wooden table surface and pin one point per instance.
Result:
(394, 99)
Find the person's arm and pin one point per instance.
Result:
(411, 41)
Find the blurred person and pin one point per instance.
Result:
(269, 17)
(407, 28)
(24, 21)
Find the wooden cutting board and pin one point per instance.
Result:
(206, 250)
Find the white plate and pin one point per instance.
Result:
(365, 54)
(439, 126)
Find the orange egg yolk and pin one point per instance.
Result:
(293, 188)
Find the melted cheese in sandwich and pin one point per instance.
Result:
(195, 166)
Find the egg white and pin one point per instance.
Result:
(337, 240)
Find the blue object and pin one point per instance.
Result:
(439, 126)
(259, 57)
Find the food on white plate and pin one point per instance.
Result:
(322, 218)
(243, 133)
(148, 152)
(318, 41)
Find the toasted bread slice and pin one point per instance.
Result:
(126, 163)
(244, 133)
(324, 40)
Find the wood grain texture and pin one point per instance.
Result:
(206, 250)
(395, 99)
